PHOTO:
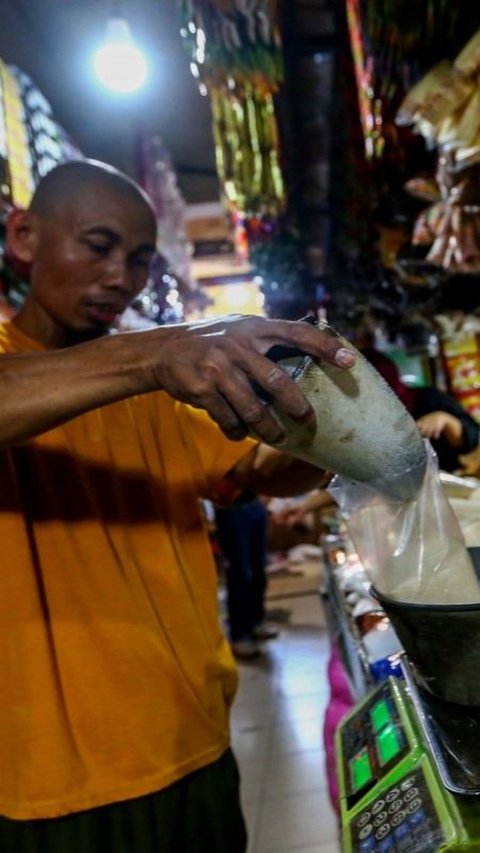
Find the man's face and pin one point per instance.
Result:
(91, 260)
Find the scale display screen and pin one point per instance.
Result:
(380, 715)
(373, 741)
(360, 770)
(388, 744)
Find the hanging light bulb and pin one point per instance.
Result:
(119, 63)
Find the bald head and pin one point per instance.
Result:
(88, 237)
(64, 182)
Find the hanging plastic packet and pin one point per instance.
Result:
(412, 551)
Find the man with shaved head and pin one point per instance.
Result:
(116, 678)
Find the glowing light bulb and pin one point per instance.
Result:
(119, 63)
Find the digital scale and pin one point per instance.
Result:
(404, 783)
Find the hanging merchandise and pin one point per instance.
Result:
(444, 107)
(232, 39)
(370, 114)
(20, 173)
(236, 57)
(393, 44)
(48, 143)
(31, 143)
(246, 148)
(5, 191)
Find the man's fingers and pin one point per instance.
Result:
(259, 335)
(321, 342)
(219, 366)
(222, 413)
(238, 412)
(280, 387)
(284, 392)
(256, 416)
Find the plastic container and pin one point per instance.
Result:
(362, 430)
(442, 641)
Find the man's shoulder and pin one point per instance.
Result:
(12, 340)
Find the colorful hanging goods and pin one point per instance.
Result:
(444, 107)
(246, 148)
(234, 40)
(236, 57)
(20, 173)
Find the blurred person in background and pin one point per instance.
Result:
(439, 417)
(242, 530)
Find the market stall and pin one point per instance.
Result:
(407, 753)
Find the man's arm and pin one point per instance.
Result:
(268, 471)
(318, 499)
(209, 365)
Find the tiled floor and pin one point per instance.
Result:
(277, 736)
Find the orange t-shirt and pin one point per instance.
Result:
(115, 675)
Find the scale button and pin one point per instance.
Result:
(365, 831)
(409, 795)
(407, 783)
(395, 806)
(363, 819)
(392, 795)
(379, 819)
(414, 805)
(397, 818)
(382, 831)
(378, 806)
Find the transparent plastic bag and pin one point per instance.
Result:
(412, 551)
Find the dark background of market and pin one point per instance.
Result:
(340, 208)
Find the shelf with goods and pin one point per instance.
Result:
(461, 360)
(410, 111)
(368, 644)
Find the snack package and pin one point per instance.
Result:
(412, 551)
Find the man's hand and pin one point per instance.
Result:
(290, 516)
(209, 365)
(317, 500)
(212, 365)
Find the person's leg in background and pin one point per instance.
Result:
(233, 530)
(242, 534)
(258, 559)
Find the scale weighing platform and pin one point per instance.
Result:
(392, 796)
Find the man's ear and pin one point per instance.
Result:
(22, 238)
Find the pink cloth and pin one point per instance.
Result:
(340, 702)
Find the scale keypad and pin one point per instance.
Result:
(401, 820)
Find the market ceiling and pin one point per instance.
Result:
(53, 41)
